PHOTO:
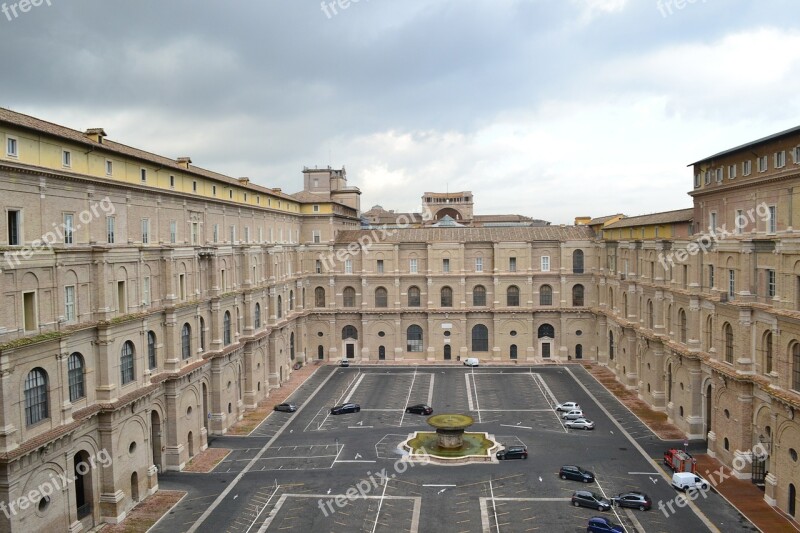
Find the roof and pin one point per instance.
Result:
(431, 234)
(307, 197)
(603, 220)
(48, 128)
(768, 138)
(666, 217)
(502, 218)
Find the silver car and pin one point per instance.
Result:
(567, 406)
(580, 423)
(572, 415)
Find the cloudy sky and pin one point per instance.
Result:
(548, 108)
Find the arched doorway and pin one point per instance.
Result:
(155, 438)
(190, 438)
(708, 410)
(513, 351)
(579, 351)
(350, 341)
(792, 499)
(83, 486)
(205, 407)
(135, 487)
(447, 352)
(320, 352)
(381, 352)
(546, 336)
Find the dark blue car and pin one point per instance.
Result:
(600, 524)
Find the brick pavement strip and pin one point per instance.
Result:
(205, 461)
(146, 513)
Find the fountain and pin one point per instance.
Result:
(451, 444)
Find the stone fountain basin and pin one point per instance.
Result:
(479, 447)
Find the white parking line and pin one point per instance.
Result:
(520, 427)
(353, 390)
(534, 376)
(408, 398)
(613, 507)
(470, 404)
(430, 390)
(477, 402)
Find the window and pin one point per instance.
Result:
(213, 190)
(762, 163)
(768, 352)
(412, 265)
(143, 174)
(146, 290)
(545, 263)
(445, 265)
(796, 366)
(349, 332)
(611, 345)
(109, 167)
(718, 173)
(771, 283)
(707, 178)
(316, 237)
(772, 219)
(291, 300)
(75, 376)
(172, 182)
(728, 331)
(747, 168)
(315, 208)
(145, 230)
(731, 172)
(151, 350)
(279, 308)
(712, 222)
(379, 266)
(480, 338)
(247, 234)
(413, 297)
(36, 404)
(546, 331)
(711, 276)
(446, 297)
(319, 297)
(780, 159)
(230, 194)
(479, 296)
(545, 295)
(186, 341)
(195, 233)
(126, 363)
(796, 155)
(257, 316)
(740, 221)
(479, 264)
(69, 228)
(14, 227)
(233, 234)
(194, 185)
(11, 147)
(348, 266)
(381, 297)
(318, 266)
(216, 233)
(173, 231)
(226, 328)
(696, 181)
(414, 339)
(182, 286)
(577, 296)
(683, 325)
(512, 296)
(110, 227)
(202, 334)
(577, 262)
(731, 283)
(69, 303)
(349, 297)
(30, 316)
(512, 264)
(66, 158)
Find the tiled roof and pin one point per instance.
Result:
(603, 220)
(768, 138)
(311, 197)
(516, 234)
(667, 217)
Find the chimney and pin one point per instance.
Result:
(96, 134)
(276, 189)
(184, 162)
(244, 181)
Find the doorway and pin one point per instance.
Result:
(155, 438)
(447, 352)
(135, 487)
(381, 352)
(513, 351)
(83, 485)
(351, 351)
(792, 499)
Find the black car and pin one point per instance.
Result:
(575, 473)
(286, 407)
(634, 500)
(345, 408)
(513, 452)
(420, 409)
(585, 498)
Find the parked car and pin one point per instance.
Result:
(420, 409)
(585, 498)
(576, 473)
(286, 407)
(600, 524)
(580, 423)
(634, 500)
(567, 406)
(345, 408)
(573, 415)
(687, 480)
(512, 452)
(344, 362)
(471, 361)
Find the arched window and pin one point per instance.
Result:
(768, 352)
(152, 362)
(413, 296)
(349, 332)
(577, 262)
(381, 297)
(319, 297)
(75, 374)
(291, 346)
(279, 310)
(414, 339)
(546, 330)
(36, 404)
(480, 338)
(796, 366)
(683, 325)
(202, 334)
(320, 352)
(349, 297)
(479, 296)
(611, 298)
(578, 351)
(611, 345)
(186, 341)
(728, 330)
(624, 305)
(512, 351)
(545, 295)
(447, 297)
(512, 296)
(577, 296)
(126, 363)
(257, 316)
(226, 328)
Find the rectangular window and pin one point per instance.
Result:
(223, 278)
(412, 266)
(11, 147)
(69, 303)
(772, 220)
(213, 190)
(445, 265)
(14, 227)
(247, 234)
(711, 276)
(69, 228)
(66, 158)
(122, 297)
(545, 263)
(796, 153)
(762, 164)
(712, 222)
(233, 234)
(146, 291)
(144, 175)
(216, 233)
(182, 286)
(731, 172)
(747, 168)
(173, 232)
(230, 194)
(316, 208)
(380, 266)
(194, 186)
(348, 266)
(258, 200)
(317, 238)
(110, 229)
(771, 283)
(697, 180)
(512, 264)
(685, 276)
(195, 233)
(707, 178)
(245, 197)
(780, 159)
(318, 266)
(739, 216)
(261, 235)
(109, 167)
(145, 230)
(718, 172)
(479, 264)
(29, 315)
(731, 283)
(172, 182)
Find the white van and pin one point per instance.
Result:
(687, 480)
(471, 361)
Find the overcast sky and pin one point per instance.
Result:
(547, 108)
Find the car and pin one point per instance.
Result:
(512, 452)
(471, 361)
(579, 423)
(567, 406)
(687, 480)
(420, 409)
(586, 498)
(345, 408)
(633, 499)
(344, 362)
(573, 415)
(601, 524)
(286, 407)
(575, 473)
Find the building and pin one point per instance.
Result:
(149, 302)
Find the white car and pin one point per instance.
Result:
(573, 415)
(471, 361)
(567, 406)
(580, 423)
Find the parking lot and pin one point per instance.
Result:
(294, 478)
